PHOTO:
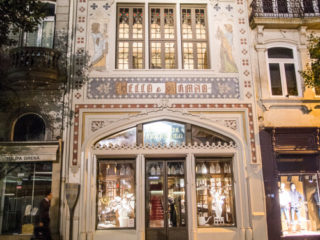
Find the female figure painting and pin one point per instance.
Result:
(227, 63)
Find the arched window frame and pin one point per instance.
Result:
(281, 62)
(25, 114)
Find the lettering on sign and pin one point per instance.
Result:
(15, 158)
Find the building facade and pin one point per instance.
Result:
(164, 141)
(288, 116)
(31, 116)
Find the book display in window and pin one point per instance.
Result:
(116, 194)
(214, 184)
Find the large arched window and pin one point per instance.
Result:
(29, 127)
(282, 72)
(164, 133)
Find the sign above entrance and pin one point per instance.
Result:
(28, 152)
(164, 133)
(170, 87)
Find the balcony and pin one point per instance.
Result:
(34, 67)
(285, 14)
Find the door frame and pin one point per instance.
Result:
(165, 160)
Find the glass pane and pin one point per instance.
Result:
(163, 133)
(47, 34)
(123, 55)
(176, 194)
(169, 23)
(186, 24)
(291, 79)
(200, 24)
(280, 53)
(116, 194)
(123, 23)
(202, 55)
(214, 184)
(276, 87)
(29, 127)
(170, 56)
(32, 39)
(188, 56)
(21, 195)
(202, 135)
(127, 137)
(317, 90)
(137, 55)
(155, 193)
(155, 24)
(137, 26)
(156, 55)
(299, 205)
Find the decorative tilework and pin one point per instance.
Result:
(150, 87)
(94, 6)
(229, 8)
(217, 7)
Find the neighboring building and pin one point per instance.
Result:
(31, 126)
(164, 139)
(288, 115)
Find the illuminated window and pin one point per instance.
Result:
(215, 195)
(194, 37)
(116, 194)
(162, 37)
(130, 36)
(299, 202)
(282, 72)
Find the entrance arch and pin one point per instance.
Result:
(141, 154)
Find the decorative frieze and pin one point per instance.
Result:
(150, 87)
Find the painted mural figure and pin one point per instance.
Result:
(226, 38)
(98, 60)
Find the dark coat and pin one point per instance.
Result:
(44, 212)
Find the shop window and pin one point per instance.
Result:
(23, 186)
(194, 37)
(163, 133)
(130, 37)
(282, 72)
(116, 194)
(299, 204)
(127, 137)
(43, 36)
(215, 195)
(204, 136)
(29, 127)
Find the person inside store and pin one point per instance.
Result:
(316, 199)
(42, 231)
(285, 199)
(296, 199)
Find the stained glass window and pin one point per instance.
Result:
(162, 37)
(194, 37)
(130, 44)
(127, 137)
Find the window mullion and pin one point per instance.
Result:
(179, 49)
(283, 79)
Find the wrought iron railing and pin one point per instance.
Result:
(34, 57)
(285, 8)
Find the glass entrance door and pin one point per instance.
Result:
(166, 206)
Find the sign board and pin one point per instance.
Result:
(72, 194)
